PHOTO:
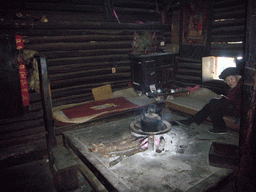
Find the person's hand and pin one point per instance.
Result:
(219, 96)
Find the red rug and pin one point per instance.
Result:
(95, 107)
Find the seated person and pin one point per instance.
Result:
(217, 108)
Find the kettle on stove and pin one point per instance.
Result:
(151, 120)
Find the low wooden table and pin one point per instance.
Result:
(182, 166)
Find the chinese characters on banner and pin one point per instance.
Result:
(23, 73)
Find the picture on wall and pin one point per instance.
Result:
(194, 23)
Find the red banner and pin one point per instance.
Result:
(24, 84)
(23, 73)
(19, 42)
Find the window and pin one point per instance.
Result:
(223, 63)
(213, 66)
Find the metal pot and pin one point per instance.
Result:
(151, 121)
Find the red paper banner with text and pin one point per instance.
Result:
(23, 73)
(24, 84)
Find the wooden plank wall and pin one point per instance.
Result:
(227, 39)
(81, 45)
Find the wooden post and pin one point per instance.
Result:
(246, 174)
(64, 169)
(62, 164)
(47, 103)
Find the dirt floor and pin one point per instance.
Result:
(33, 177)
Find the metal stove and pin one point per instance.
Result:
(149, 125)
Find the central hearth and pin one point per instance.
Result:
(183, 165)
(149, 125)
(137, 130)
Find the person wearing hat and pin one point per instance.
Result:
(217, 108)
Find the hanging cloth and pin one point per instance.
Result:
(23, 73)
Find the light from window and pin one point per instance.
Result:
(236, 42)
(223, 63)
(213, 66)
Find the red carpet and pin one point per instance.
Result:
(95, 107)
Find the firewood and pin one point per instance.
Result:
(126, 154)
(124, 144)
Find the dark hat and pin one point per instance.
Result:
(228, 71)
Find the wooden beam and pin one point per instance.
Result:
(95, 78)
(47, 103)
(15, 24)
(77, 38)
(246, 173)
(63, 7)
(83, 53)
(84, 60)
(79, 46)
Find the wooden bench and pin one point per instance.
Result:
(194, 102)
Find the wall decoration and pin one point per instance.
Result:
(194, 23)
(144, 42)
(175, 33)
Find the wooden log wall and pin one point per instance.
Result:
(82, 44)
(189, 74)
(228, 28)
(78, 63)
(227, 39)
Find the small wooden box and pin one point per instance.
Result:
(224, 155)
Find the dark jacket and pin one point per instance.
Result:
(233, 98)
